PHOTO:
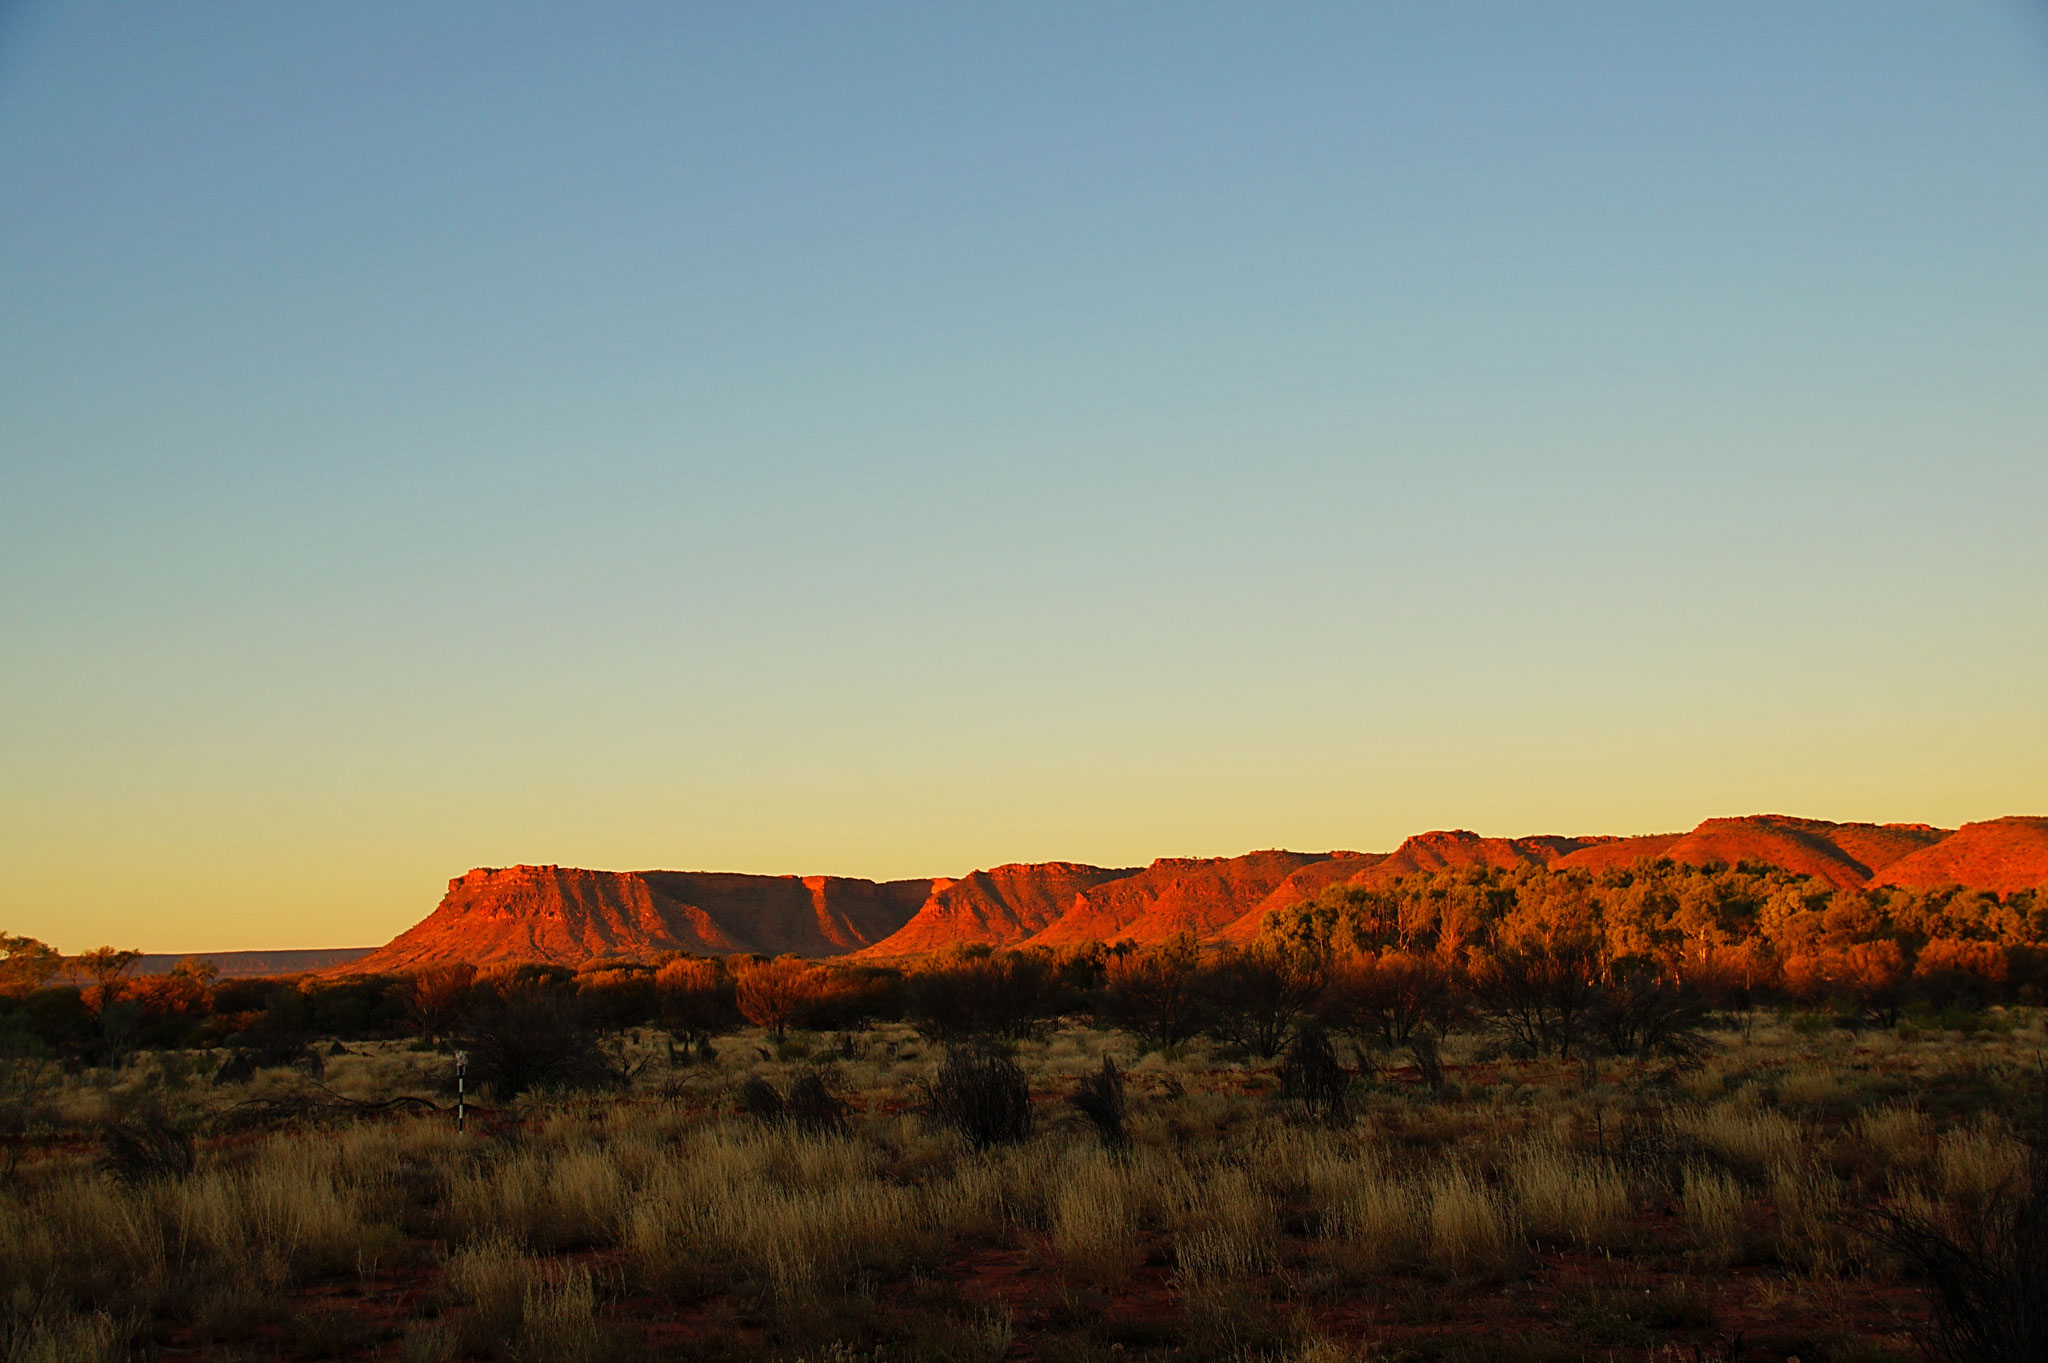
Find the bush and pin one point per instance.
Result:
(529, 1032)
(1101, 1100)
(980, 993)
(813, 1107)
(983, 1095)
(1986, 1282)
(1312, 1075)
(147, 1148)
(1155, 993)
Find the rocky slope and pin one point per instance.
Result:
(1173, 895)
(999, 906)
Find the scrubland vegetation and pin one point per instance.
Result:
(1479, 1116)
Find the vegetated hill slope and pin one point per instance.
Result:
(565, 915)
(1300, 885)
(1450, 849)
(1844, 855)
(1173, 895)
(999, 906)
(1998, 854)
(1443, 849)
(1614, 853)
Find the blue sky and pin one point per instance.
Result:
(893, 441)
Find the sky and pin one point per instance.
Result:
(890, 440)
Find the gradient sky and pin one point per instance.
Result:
(891, 440)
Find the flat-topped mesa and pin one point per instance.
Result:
(566, 915)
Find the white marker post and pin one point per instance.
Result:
(461, 1072)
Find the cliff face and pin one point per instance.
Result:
(1000, 906)
(566, 915)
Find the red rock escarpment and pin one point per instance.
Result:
(566, 915)
(997, 907)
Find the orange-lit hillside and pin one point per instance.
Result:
(566, 915)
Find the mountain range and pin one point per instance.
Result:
(567, 915)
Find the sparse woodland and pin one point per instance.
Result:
(1700, 1114)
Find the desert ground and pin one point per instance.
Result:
(824, 1196)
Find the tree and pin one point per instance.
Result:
(25, 964)
(695, 997)
(1154, 993)
(435, 995)
(1387, 1000)
(774, 994)
(1255, 996)
(105, 967)
(981, 993)
(1540, 994)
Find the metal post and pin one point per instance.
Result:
(461, 1072)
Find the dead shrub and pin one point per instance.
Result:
(146, 1148)
(1312, 1075)
(1100, 1099)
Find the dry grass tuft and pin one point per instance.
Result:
(546, 1200)
(1374, 1222)
(792, 1214)
(1811, 1232)
(1095, 1225)
(1749, 1139)
(1469, 1232)
(1712, 1205)
(1974, 1166)
(1900, 1137)
(1225, 1230)
(1563, 1197)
